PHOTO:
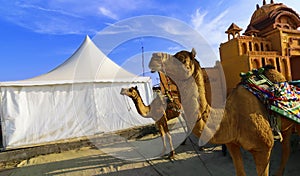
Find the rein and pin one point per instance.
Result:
(127, 104)
(167, 88)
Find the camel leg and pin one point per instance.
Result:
(163, 137)
(297, 126)
(237, 159)
(164, 145)
(262, 161)
(286, 150)
(172, 153)
(164, 125)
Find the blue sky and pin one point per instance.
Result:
(39, 35)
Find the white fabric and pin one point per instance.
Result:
(79, 98)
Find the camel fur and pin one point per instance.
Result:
(242, 123)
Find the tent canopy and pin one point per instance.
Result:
(87, 64)
(79, 98)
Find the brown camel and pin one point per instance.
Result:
(242, 123)
(287, 126)
(161, 109)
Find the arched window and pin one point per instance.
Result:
(256, 47)
(255, 63)
(267, 47)
(261, 46)
(278, 64)
(263, 61)
(271, 61)
(250, 46)
(244, 48)
(278, 26)
(286, 26)
(236, 35)
(284, 68)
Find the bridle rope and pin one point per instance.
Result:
(168, 91)
(127, 104)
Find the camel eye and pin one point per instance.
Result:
(182, 60)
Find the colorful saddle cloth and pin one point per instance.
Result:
(282, 98)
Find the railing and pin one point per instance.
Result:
(264, 53)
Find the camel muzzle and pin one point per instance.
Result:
(123, 91)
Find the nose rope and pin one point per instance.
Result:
(168, 91)
(163, 65)
(167, 78)
(127, 104)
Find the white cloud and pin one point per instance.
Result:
(213, 29)
(174, 48)
(210, 28)
(61, 12)
(212, 24)
(197, 18)
(106, 12)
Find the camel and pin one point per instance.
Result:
(161, 109)
(242, 123)
(287, 126)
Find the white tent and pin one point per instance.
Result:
(81, 97)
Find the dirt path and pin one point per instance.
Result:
(189, 161)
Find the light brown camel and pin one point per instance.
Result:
(161, 109)
(287, 126)
(243, 122)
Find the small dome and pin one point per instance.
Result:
(263, 12)
(233, 27)
(270, 15)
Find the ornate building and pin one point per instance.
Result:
(272, 37)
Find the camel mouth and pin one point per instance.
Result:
(123, 91)
(157, 61)
(155, 65)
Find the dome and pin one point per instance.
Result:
(274, 15)
(263, 12)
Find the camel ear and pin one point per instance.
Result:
(135, 87)
(193, 52)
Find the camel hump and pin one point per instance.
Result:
(279, 97)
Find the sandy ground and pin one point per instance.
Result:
(142, 157)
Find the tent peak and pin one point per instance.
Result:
(87, 39)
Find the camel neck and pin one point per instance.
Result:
(199, 79)
(196, 108)
(194, 87)
(190, 100)
(142, 109)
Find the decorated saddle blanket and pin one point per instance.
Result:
(282, 98)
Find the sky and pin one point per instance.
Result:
(38, 35)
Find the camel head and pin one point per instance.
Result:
(273, 75)
(131, 92)
(179, 66)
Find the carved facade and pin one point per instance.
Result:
(272, 37)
